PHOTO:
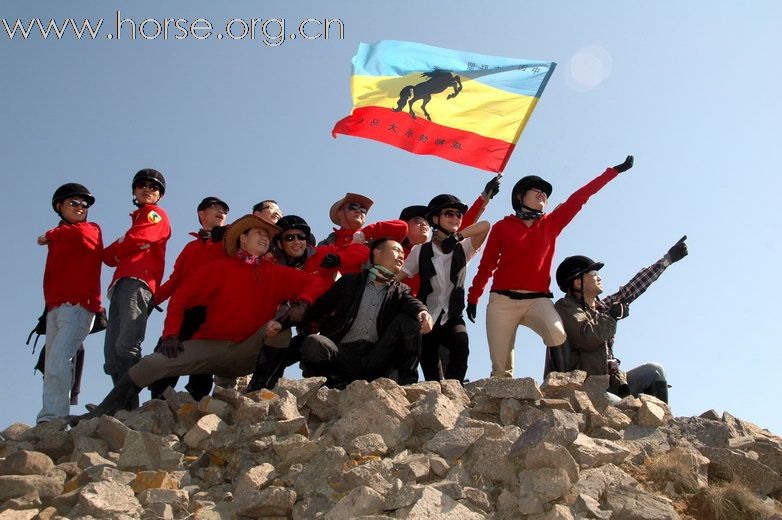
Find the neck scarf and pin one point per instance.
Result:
(378, 273)
(247, 258)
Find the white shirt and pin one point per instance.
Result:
(437, 302)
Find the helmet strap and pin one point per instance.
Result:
(527, 213)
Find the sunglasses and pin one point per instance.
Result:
(353, 206)
(451, 213)
(294, 236)
(419, 221)
(151, 186)
(78, 203)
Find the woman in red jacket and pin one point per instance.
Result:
(518, 254)
(71, 288)
(139, 257)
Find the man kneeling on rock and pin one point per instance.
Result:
(370, 326)
(590, 322)
(241, 294)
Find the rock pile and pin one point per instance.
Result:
(494, 449)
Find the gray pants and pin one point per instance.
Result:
(130, 302)
(201, 356)
(641, 380)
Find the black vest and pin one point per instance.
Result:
(458, 274)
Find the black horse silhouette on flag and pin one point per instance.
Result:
(438, 81)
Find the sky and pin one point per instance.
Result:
(690, 89)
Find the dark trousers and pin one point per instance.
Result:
(397, 349)
(451, 335)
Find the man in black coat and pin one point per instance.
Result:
(370, 326)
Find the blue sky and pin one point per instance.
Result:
(690, 89)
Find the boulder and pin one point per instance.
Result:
(358, 502)
(435, 504)
(538, 487)
(147, 451)
(522, 389)
(435, 412)
(203, 429)
(590, 453)
(106, 500)
(26, 463)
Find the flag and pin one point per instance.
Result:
(464, 107)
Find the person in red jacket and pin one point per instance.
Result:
(241, 293)
(350, 213)
(212, 213)
(71, 289)
(518, 254)
(139, 257)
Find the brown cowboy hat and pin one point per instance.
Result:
(348, 198)
(241, 225)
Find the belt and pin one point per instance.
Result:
(524, 296)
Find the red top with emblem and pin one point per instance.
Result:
(73, 266)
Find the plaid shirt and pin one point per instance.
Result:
(630, 291)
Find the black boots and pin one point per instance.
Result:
(269, 369)
(124, 392)
(659, 389)
(559, 358)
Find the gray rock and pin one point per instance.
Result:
(594, 482)
(45, 486)
(158, 511)
(523, 388)
(88, 460)
(322, 473)
(537, 487)
(563, 384)
(439, 465)
(509, 411)
(311, 508)
(178, 499)
(604, 432)
(203, 429)
(290, 426)
(82, 445)
(210, 405)
(15, 432)
(701, 432)
(358, 502)
(588, 507)
(251, 412)
(154, 416)
(106, 500)
(582, 403)
(375, 474)
(369, 444)
(22, 514)
(556, 404)
(148, 451)
(272, 501)
(612, 418)
(286, 407)
(113, 432)
(434, 504)
(633, 504)
(410, 467)
(485, 406)
(477, 498)
(590, 452)
(109, 474)
(435, 412)
(302, 389)
(556, 427)
(737, 465)
(546, 455)
(557, 512)
(645, 442)
(489, 459)
(378, 407)
(652, 415)
(26, 463)
(421, 390)
(596, 388)
(324, 403)
(454, 391)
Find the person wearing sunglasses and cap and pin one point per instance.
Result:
(139, 257)
(71, 289)
(518, 255)
(241, 294)
(442, 267)
(418, 227)
(350, 213)
(211, 212)
(590, 322)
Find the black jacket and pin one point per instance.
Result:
(336, 310)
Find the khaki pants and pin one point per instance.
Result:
(504, 315)
(201, 356)
(281, 340)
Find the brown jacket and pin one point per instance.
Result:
(590, 334)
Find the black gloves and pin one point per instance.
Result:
(331, 261)
(678, 251)
(492, 188)
(450, 243)
(295, 313)
(472, 311)
(619, 310)
(171, 346)
(153, 307)
(625, 165)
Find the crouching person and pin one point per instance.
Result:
(370, 325)
(71, 286)
(590, 322)
(241, 293)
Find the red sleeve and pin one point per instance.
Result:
(394, 229)
(165, 291)
(353, 255)
(564, 213)
(473, 212)
(293, 284)
(196, 290)
(110, 254)
(489, 260)
(150, 228)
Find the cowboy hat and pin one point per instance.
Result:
(241, 225)
(347, 199)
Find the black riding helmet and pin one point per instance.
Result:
(71, 189)
(572, 267)
(150, 174)
(208, 202)
(412, 212)
(526, 183)
(441, 202)
(291, 222)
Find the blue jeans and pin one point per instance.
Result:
(130, 302)
(66, 328)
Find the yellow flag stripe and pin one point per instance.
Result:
(477, 108)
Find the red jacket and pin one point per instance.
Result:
(142, 252)
(519, 257)
(194, 255)
(394, 229)
(351, 256)
(239, 297)
(73, 265)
